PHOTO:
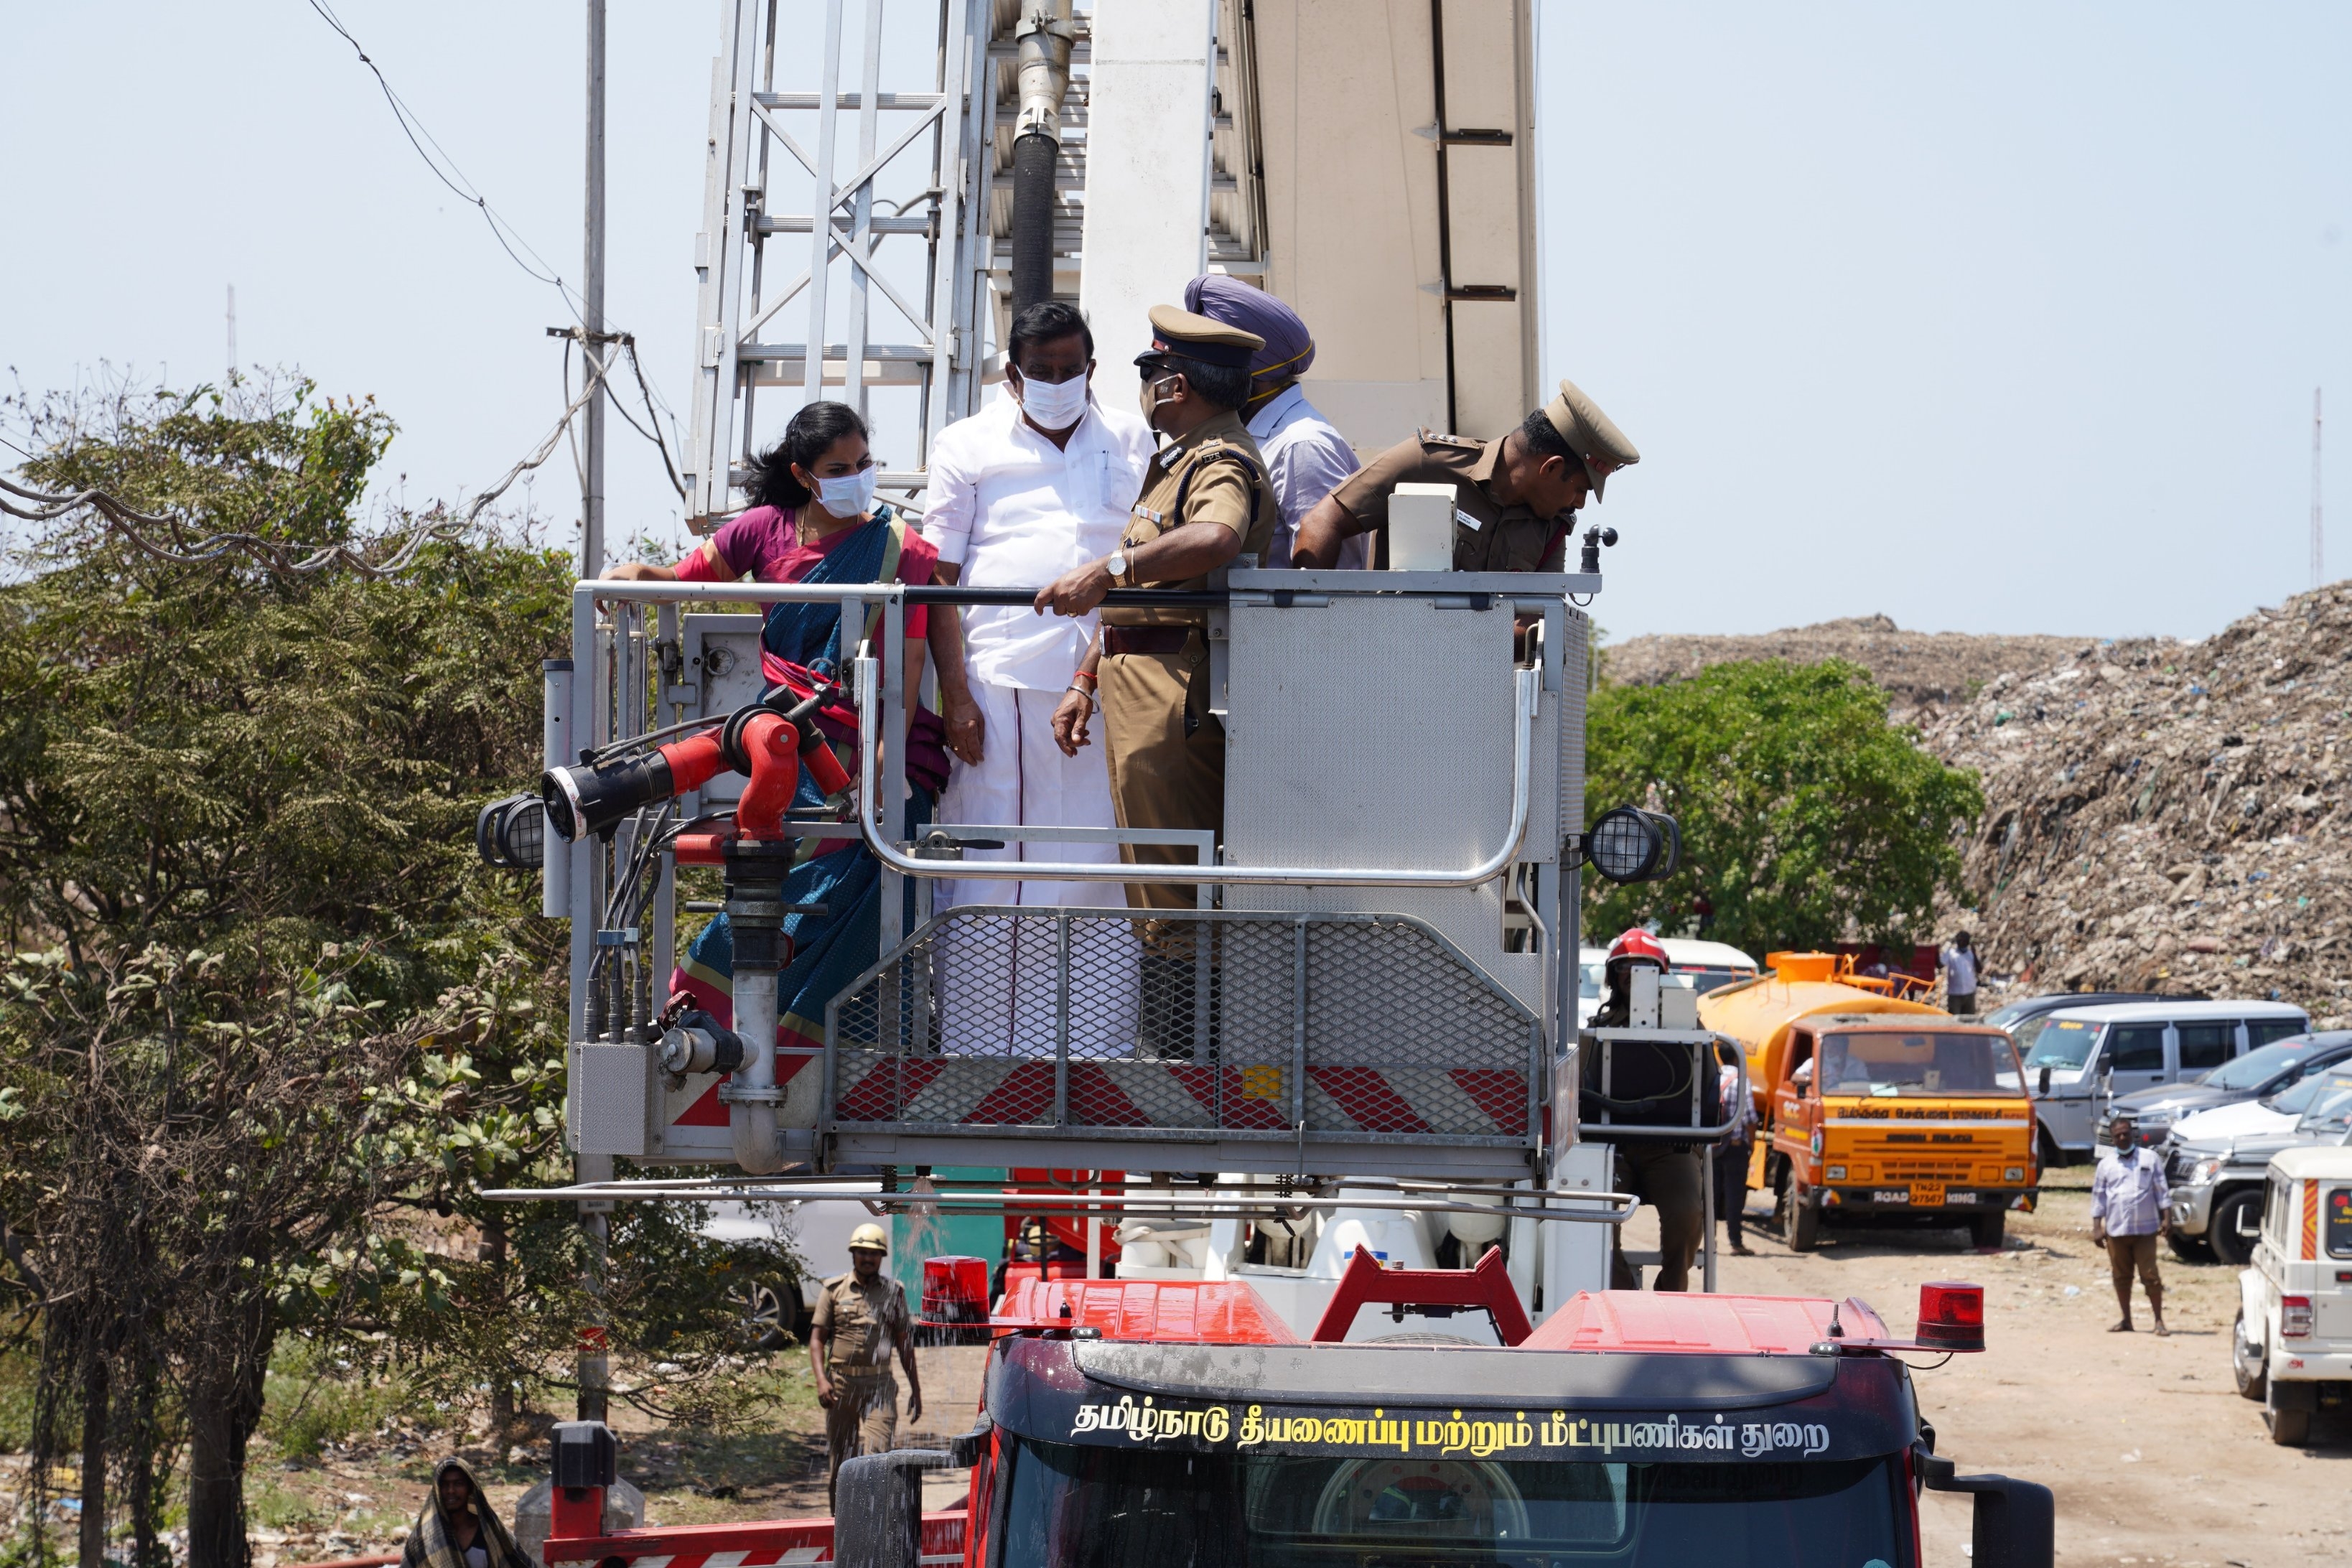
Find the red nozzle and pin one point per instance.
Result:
(823, 765)
(695, 761)
(774, 746)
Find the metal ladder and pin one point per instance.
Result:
(905, 282)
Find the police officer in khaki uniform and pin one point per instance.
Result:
(1514, 499)
(861, 1319)
(1205, 500)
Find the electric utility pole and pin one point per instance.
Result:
(595, 1360)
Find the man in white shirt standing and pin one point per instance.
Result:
(1960, 976)
(1306, 456)
(1036, 483)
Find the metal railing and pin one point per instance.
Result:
(1218, 1027)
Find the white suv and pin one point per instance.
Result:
(2292, 1345)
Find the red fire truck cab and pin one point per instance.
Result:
(1181, 1424)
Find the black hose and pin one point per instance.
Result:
(1033, 219)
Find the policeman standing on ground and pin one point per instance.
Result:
(1514, 498)
(861, 1319)
(1205, 500)
(1650, 1084)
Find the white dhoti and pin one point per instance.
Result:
(1000, 996)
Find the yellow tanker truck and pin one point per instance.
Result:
(1873, 1109)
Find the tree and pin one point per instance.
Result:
(1806, 817)
(237, 808)
(182, 1135)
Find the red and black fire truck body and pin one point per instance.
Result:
(1154, 1423)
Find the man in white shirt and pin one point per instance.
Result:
(1306, 456)
(1960, 976)
(1036, 483)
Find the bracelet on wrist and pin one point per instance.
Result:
(1086, 675)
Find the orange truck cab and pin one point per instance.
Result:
(1876, 1109)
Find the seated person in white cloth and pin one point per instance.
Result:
(1036, 483)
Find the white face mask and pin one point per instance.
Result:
(1055, 405)
(848, 494)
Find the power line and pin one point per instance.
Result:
(445, 169)
(127, 520)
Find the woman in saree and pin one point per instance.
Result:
(817, 522)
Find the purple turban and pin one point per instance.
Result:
(1289, 349)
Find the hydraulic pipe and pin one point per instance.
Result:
(1044, 35)
(755, 909)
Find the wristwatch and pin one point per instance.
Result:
(1116, 564)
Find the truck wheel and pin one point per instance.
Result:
(2236, 1225)
(2188, 1249)
(2052, 1157)
(1989, 1229)
(1801, 1226)
(2246, 1361)
(2289, 1428)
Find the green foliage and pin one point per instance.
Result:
(19, 1375)
(1807, 818)
(271, 1023)
(312, 1399)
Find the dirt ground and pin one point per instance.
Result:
(2154, 1457)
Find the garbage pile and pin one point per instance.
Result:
(2167, 817)
(1917, 669)
(2160, 815)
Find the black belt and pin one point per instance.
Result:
(1146, 639)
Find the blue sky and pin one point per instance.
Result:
(1996, 317)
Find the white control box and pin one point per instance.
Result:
(1421, 528)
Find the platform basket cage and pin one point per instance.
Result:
(1314, 1028)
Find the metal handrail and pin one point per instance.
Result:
(1720, 1132)
(1529, 684)
(1532, 1203)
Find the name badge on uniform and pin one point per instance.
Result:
(1466, 520)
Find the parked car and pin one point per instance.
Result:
(2085, 1057)
(2023, 1019)
(776, 1312)
(2291, 1347)
(2216, 1161)
(2260, 1073)
(1699, 966)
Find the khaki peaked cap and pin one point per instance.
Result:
(1590, 434)
(1175, 331)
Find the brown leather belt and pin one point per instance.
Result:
(1145, 639)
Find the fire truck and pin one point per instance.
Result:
(1183, 1424)
(1369, 1096)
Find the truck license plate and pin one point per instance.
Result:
(1927, 1194)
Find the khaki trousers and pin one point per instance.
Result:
(1672, 1181)
(864, 1419)
(1161, 776)
(2126, 1254)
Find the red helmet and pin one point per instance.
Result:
(1638, 945)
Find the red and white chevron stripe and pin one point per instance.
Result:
(879, 1088)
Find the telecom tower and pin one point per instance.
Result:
(2318, 533)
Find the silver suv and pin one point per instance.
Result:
(2217, 1170)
